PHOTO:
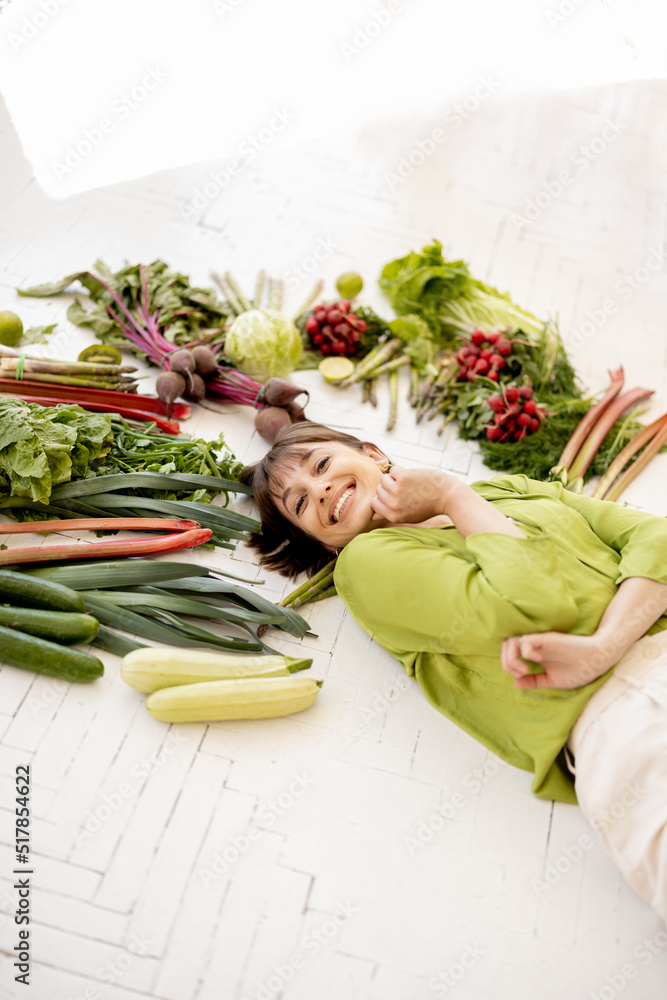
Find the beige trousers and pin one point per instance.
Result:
(619, 743)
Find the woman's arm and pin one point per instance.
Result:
(416, 495)
(571, 661)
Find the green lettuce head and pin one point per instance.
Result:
(263, 343)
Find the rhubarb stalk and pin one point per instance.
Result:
(602, 427)
(100, 524)
(623, 457)
(659, 441)
(100, 550)
(149, 404)
(586, 424)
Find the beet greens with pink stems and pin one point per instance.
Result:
(145, 308)
(155, 312)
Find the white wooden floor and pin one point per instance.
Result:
(303, 856)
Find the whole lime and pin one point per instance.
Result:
(11, 328)
(349, 285)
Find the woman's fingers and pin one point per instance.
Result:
(530, 647)
(510, 657)
(516, 650)
(533, 681)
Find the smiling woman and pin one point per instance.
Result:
(314, 491)
(510, 602)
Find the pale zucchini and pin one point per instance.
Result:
(250, 698)
(150, 669)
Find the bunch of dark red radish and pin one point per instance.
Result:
(482, 354)
(333, 329)
(516, 414)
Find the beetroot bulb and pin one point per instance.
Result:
(270, 420)
(169, 386)
(280, 392)
(296, 412)
(183, 363)
(197, 390)
(205, 360)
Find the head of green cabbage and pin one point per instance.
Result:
(263, 343)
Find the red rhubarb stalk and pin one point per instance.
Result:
(99, 524)
(587, 422)
(147, 404)
(658, 442)
(602, 427)
(100, 550)
(624, 456)
(168, 426)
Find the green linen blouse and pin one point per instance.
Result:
(442, 605)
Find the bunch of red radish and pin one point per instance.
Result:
(333, 329)
(516, 414)
(482, 354)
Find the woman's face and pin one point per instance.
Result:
(327, 491)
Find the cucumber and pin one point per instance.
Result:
(44, 657)
(59, 626)
(30, 591)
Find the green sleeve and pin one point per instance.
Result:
(638, 537)
(414, 595)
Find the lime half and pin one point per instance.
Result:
(349, 285)
(11, 328)
(335, 369)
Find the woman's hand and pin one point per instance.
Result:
(412, 495)
(569, 661)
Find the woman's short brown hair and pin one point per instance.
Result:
(282, 545)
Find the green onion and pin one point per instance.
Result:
(113, 642)
(128, 621)
(144, 480)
